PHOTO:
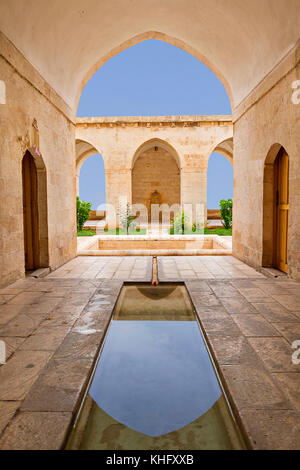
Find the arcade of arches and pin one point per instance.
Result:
(156, 166)
(142, 155)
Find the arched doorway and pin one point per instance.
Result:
(276, 209)
(281, 208)
(30, 213)
(156, 177)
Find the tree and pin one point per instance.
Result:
(226, 213)
(83, 212)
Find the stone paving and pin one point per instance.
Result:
(131, 268)
(180, 268)
(53, 328)
(250, 325)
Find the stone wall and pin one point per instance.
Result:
(34, 117)
(267, 120)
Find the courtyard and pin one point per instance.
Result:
(54, 326)
(149, 225)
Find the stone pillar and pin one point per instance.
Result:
(194, 185)
(118, 187)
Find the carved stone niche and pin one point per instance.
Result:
(155, 197)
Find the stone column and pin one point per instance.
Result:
(118, 187)
(194, 185)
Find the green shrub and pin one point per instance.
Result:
(226, 213)
(83, 212)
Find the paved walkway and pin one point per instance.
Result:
(130, 268)
(53, 328)
(203, 267)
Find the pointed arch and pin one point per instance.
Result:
(161, 37)
(156, 176)
(156, 143)
(83, 151)
(276, 208)
(35, 210)
(225, 148)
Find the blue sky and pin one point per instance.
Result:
(148, 79)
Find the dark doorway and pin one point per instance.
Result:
(281, 210)
(30, 212)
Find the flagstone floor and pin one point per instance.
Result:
(53, 327)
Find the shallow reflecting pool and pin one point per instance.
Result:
(155, 386)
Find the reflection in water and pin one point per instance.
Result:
(154, 385)
(156, 294)
(164, 302)
(155, 377)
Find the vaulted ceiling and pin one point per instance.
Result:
(67, 40)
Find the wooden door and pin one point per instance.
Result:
(30, 213)
(281, 210)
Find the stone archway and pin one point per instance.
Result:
(155, 178)
(276, 208)
(35, 212)
(224, 149)
(83, 151)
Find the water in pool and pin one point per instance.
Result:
(155, 386)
